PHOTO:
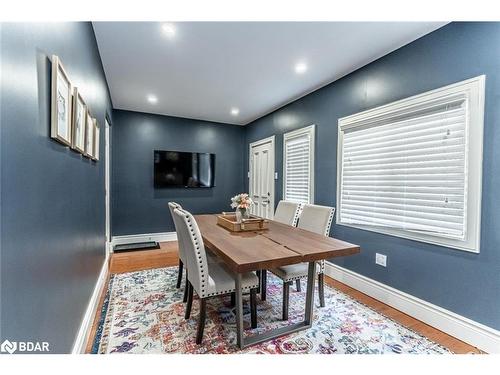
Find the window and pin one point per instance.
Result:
(298, 165)
(413, 168)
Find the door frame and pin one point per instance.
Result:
(107, 184)
(272, 141)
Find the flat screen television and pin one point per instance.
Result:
(174, 169)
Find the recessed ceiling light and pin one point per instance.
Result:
(235, 111)
(300, 68)
(168, 30)
(152, 99)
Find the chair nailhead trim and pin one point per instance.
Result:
(297, 214)
(296, 277)
(196, 243)
(231, 290)
(329, 224)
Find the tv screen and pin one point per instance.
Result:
(184, 169)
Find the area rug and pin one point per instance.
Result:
(143, 313)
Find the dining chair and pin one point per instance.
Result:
(287, 212)
(181, 246)
(172, 206)
(208, 279)
(313, 218)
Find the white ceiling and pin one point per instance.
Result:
(207, 68)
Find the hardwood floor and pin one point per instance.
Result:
(146, 259)
(167, 256)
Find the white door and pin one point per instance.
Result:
(107, 169)
(261, 183)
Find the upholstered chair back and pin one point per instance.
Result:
(316, 218)
(194, 251)
(287, 212)
(180, 241)
(172, 206)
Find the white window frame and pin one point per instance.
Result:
(474, 89)
(311, 131)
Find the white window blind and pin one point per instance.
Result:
(298, 165)
(406, 169)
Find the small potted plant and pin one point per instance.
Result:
(242, 203)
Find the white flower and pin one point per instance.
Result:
(241, 201)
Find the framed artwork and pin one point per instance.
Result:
(78, 123)
(61, 101)
(95, 155)
(89, 136)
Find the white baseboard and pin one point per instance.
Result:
(133, 238)
(465, 329)
(84, 331)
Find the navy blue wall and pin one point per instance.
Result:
(137, 207)
(52, 217)
(466, 283)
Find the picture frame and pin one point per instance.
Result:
(95, 155)
(61, 103)
(89, 136)
(78, 122)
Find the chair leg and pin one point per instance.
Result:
(201, 320)
(286, 297)
(321, 288)
(263, 285)
(253, 307)
(189, 301)
(185, 298)
(179, 274)
(233, 299)
(259, 275)
(297, 282)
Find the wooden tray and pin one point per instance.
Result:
(228, 221)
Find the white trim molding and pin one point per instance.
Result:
(107, 183)
(465, 329)
(145, 237)
(83, 335)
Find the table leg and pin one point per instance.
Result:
(239, 311)
(258, 272)
(277, 332)
(311, 278)
(263, 285)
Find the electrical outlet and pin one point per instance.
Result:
(381, 259)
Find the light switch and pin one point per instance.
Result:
(381, 259)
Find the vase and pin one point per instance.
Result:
(241, 213)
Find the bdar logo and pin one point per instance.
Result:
(24, 346)
(8, 347)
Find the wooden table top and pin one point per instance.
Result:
(278, 246)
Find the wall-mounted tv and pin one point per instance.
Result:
(174, 169)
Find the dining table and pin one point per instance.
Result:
(278, 245)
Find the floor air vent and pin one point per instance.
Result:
(150, 245)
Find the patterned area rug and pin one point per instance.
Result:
(143, 313)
